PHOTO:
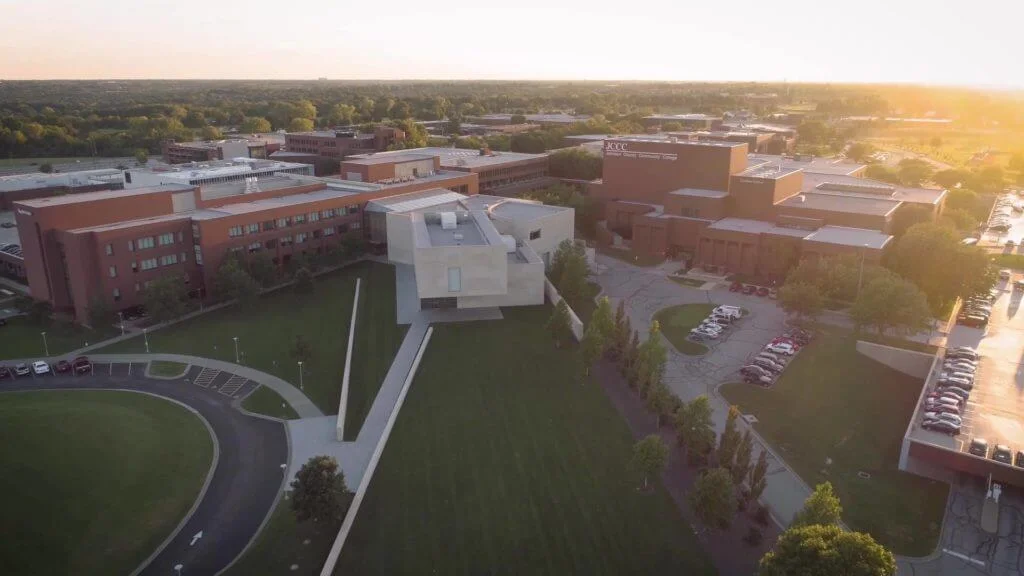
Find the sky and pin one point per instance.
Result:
(975, 42)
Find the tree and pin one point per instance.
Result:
(141, 157)
(46, 168)
(100, 313)
(303, 280)
(262, 269)
(741, 466)
(211, 133)
(659, 401)
(859, 151)
(575, 163)
(729, 441)
(1016, 162)
(890, 301)
(165, 298)
(961, 220)
(883, 173)
(650, 365)
(590, 348)
(300, 125)
(40, 311)
(801, 299)
(558, 324)
(821, 507)
(713, 498)
(301, 349)
(671, 127)
(569, 271)
(827, 550)
(907, 216)
(602, 321)
(254, 125)
(620, 333)
(914, 171)
(517, 119)
(694, 429)
(758, 474)
(631, 355)
(649, 457)
(232, 282)
(319, 492)
(949, 178)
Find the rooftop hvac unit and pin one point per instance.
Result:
(448, 221)
(458, 237)
(510, 243)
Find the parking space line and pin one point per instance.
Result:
(206, 377)
(233, 384)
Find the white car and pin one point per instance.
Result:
(781, 348)
(732, 311)
(40, 368)
(1005, 274)
(705, 333)
(944, 416)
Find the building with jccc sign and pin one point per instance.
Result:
(746, 213)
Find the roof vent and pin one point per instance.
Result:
(448, 221)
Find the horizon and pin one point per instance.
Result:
(800, 43)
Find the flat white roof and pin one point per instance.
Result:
(858, 237)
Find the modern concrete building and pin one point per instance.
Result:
(39, 185)
(471, 251)
(257, 146)
(746, 213)
(494, 169)
(107, 245)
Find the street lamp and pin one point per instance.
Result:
(235, 338)
(120, 316)
(300, 376)
(177, 568)
(45, 347)
(145, 336)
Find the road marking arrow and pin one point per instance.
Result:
(196, 537)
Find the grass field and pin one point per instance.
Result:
(265, 401)
(167, 369)
(22, 338)
(502, 463)
(281, 545)
(676, 323)
(267, 333)
(94, 481)
(831, 402)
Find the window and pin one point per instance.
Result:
(268, 225)
(299, 219)
(286, 241)
(168, 259)
(301, 237)
(149, 264)
(271, 244)
(255, 247)
(131, 246)
(109, 249)
(166, 239)
(357, 225)
(353, 209)
(252, 229)
(135, 266)
(113, 271)
(282, 222)
(329, 213)
(455, 279)
(234, 231)
(342, 228)
(329, 231)
(138, 287)
(534, 234)
(314, 216)
(117, 294)
(199, 254)
(143, 243)
(195, 230)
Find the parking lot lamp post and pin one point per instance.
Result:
(120, 316)
(236, 348)
(300, 376)
(145, 337)
(45, 347)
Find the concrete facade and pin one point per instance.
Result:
(910, 362)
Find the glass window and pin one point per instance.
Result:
(234, 231)
(329, 231)
(131, 246)
(357, 225)
(314, 216)
(253, 228)
(143, 243)
(113, 271)
(455, 279)
(268, 225)
(286, 241)
(117, 294)
(135, 266)
(299, 219)
(199, 254)
(181, 237)
(168, 259)
(282, 222)
(166, 239)
(149, 264)
(534, 234)
(353, 209)
(109, 249)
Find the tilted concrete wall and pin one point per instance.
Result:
(343, 401)
(916, 364)
(575, 324)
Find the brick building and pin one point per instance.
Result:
(326, 148)
(255, 146)
(108, 245)
(493, 169)
(748, 213)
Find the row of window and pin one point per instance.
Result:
(297, 220)
(116, 292)
(300, 238)
(146, 242)
(151, 263)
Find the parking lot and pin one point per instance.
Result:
(996, 405)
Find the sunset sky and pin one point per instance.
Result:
(933, 41)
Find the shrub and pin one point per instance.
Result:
(761, 515)
(754, 536)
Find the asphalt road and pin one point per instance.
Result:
(244, 485)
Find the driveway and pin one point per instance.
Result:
(253, 453)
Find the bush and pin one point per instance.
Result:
(761, 515)
(754, 536)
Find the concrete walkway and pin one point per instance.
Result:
(302, 405)
(645, 292)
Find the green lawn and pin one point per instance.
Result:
(265, 401)
(267, 333)
(281, 545)
(502, 463)
(691, 282)
(167, 369)
(629, 256)
(832, 402)
(676, 323)
(22, 338)
(94, 481)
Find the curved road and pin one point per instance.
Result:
(245, 483)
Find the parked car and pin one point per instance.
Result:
(940, 398)
(767, 365)
(1001, 453)
(953, 381)
(82, 365)
(701, 333)
(5, 372)
(963, 352)
(749, 289)
(786, 340)
(962, 393)
(735, 287)
(721, 319)
(1010, 243)
(955, 419)
(763, 291)
(39, 368)
(941, 426)
(979, 447)
(63, 366)
(1005, 274)
(733, 311)
(772, 356)
(1018, 285)
(22, 369)
(755, 370)
(972, 320)
(759, 380)
(781, 348)
(1018, 460)
(943, 409)
(958, 367)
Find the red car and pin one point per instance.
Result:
(735, 287)
(749, 289)
(762, 291)
(63, 366)
(5, 372)
(81, 364)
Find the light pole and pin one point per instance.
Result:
(45, 347)
(300, 376)
(120, 316)
(145, 336)
(177, 568)
(236, 348)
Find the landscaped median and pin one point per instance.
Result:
(835, 415)
(165, 369)
(676, 323)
